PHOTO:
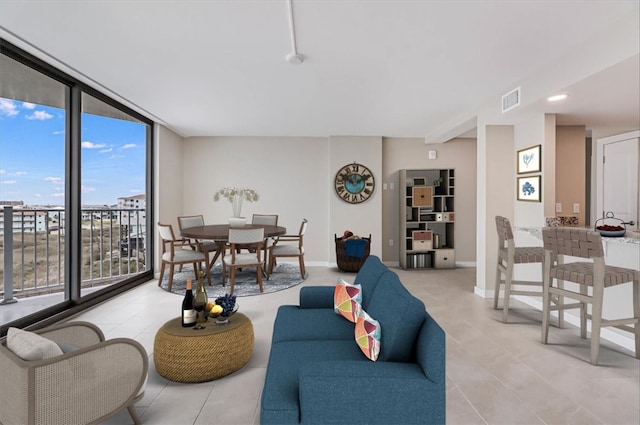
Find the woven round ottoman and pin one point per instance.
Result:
(189, 355)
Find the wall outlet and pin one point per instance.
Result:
(392, 186)
(390, 242)
(558, 207)
(576, 208)
(384, 186)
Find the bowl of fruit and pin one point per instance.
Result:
(610, 226)
(222, 308)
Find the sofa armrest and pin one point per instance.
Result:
(316, 296)
(361, 392)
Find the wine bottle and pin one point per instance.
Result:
(200, 300)
(188, 312)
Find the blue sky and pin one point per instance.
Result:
(32, 155)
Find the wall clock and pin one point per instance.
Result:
(354, 183)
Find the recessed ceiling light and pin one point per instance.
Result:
(557, 97)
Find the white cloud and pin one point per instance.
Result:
(8, 108)
(40, 116)
(8, 181)
(57, 195)
(1, 171)
(129, 146)
(87, 189)
(90, 145)
(116, 156)
(37, 195)
(19, 173)
(136, 191)
(54, 180)
(28, 105)
(106, 150)
(58, 132)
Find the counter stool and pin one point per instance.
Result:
(508, 256)
(585, 243)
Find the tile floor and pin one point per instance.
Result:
(497, 373)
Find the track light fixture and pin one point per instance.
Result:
(294, 57)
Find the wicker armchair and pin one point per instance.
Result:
(84, 386)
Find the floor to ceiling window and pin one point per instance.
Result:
(75, 171)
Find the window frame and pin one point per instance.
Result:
(75, 302)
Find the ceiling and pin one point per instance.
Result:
(384, 68)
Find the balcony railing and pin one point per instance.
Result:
(33, 248)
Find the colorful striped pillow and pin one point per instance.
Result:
(347, 300)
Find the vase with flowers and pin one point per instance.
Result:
(236, 196)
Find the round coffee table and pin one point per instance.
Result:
(189, 355)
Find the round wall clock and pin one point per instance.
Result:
(354, 183)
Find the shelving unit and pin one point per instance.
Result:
(427, 218)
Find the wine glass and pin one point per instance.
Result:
(199, 306)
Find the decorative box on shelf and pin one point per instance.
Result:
(445, 258)
(445, 216)
(422, 240)
(422, 196)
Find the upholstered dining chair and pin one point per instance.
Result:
(180, 251)
(266, 219)
(592, 278)
(212, 247)
(234, 259)
(289, 246)
(69, 374)
(270, 220)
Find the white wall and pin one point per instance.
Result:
(167, 196)
(531, 132)
(364, 218)
(290, 174)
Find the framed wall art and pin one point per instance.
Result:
(529, 159)
(529, 189)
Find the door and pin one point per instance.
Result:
(620, 179)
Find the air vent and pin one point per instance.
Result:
(511, 100)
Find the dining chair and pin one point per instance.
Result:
(267, 219)
(235, 259)
(187, 221)
(270, 220)
(293, 246)
(174, 253)
(508, 256)
(591, 279)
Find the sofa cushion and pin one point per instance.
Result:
(31, 346)
(347, 300)
(367, 334)
(280, 395)
(368, 277)
(400, 315)
(297, 324)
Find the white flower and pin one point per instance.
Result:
(236, 195)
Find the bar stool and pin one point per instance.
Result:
(594, 274)
(508, 256)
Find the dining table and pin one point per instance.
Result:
(220, 233)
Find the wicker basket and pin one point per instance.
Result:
(346, 263)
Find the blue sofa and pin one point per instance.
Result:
(317, 374)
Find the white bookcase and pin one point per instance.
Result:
(427, 218)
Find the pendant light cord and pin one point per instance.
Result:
(292, 28)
